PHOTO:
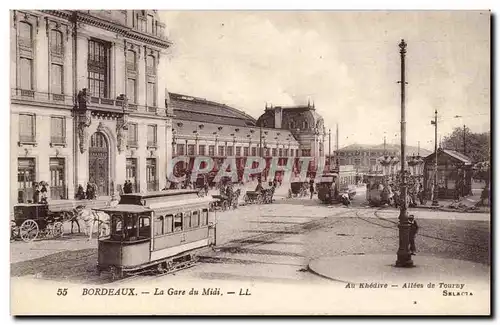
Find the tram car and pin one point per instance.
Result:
(334, 184)
(160, 232)
(377, 191)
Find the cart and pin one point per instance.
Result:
(35, 220)
(298, 189)
(221, 203)
(252, 197)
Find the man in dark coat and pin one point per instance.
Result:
(413, 233)
(36, 194)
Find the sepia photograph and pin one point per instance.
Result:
(250, 162)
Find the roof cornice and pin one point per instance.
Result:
(111, 26)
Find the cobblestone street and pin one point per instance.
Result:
(275, 243)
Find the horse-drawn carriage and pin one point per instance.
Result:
(35, 220)
(263, 196)
(378, 192)
(226, 201)
(298, 189)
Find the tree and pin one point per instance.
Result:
(477, 145)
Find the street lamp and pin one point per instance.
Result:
(435, 201)
(403, 254)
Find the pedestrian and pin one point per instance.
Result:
(311, 187)
(43, 193)
(36, 194)
(413, 233)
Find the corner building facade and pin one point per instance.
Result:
(88, 101)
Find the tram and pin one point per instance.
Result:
(159, 231)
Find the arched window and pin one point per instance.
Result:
(56, 41)
(25, 33)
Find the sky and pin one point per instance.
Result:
(347, 63)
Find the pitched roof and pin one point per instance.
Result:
(452, 153)
(410, 150)
(200, 109)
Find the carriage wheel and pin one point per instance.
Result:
(57, 229)
(29, 230)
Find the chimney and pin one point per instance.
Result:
(278, 117)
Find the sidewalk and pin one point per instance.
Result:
(465, 204)
(381, 269)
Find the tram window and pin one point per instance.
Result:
(195, 219)
(116, 226)
(178, 222)
(159, 224)
(187, 220)
(204, 217)
(168, 224)
(144, 227)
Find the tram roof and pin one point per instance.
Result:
(160, 193)
(128, 208)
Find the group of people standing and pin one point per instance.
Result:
(40, 193)
(89, 194)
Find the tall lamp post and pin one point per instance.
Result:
(403, 254)
(435, 201)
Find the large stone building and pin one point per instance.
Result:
(89, 104)
(87, 101)
(366, 158)
(206, 128)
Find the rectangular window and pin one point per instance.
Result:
(144, 227)
(221, 151)
(169, 224)
(132, 135)
(152, 136)
(357, 161)
(274, 152)
(26, 175)
(56, 79)
(180, 150)
(26, 73)
(204, 217)
(131, 172)
(187, 220)
(254, 151)
(151, 174)
(159, 225)
(27, 128)
(190, 149)
(306, 152)
(245, 151)
(286, 153)
(56, 42)
(195, 219)
(131, 90)
(57, 130)
(98, 68)
(211, 150)
(296, 152)
(150, 65)
(131, 61)
(150, 24)
(151, 95)
(57, 179)
(238, 151)
(229, 151)
(201, 149)
(178, 222)
(268, 152)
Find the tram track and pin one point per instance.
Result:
(395, 226)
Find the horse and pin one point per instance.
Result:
(235, 198)
(90, 217)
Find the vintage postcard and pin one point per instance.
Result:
(250, 162)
